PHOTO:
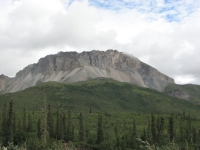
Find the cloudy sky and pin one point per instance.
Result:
(162, 33)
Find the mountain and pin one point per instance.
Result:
(100, 95)
(188, 92)
(71, 67)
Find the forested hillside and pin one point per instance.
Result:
(97, 114)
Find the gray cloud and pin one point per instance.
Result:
(32, 29)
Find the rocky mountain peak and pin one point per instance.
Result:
(73, 67)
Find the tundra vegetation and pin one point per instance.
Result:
(89, 115)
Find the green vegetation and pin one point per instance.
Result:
(100, 95)
(191, 89)
(100, 131)
(97, 114)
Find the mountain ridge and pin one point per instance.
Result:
(70, 67)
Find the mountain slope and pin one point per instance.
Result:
(188, 92)
(99, 95)
(70, 67)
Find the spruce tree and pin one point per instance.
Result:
(181, 132)
(72, 132)
(194, 135)
(116, 131)
(24, 119)
(81, 128)
(19, 125)
(171, 129)
(131, 140)
(45, 133)
(14, 123)
(9, 135)
(158, 122)
(144, 135)
(50, 122)
(61, 132)
(149, 130)
(58, 125)
(160, 130)
(39, 131)
(99, 130)
(10, 122)
(134, 131)
(19, 135)
(30, 127)
(153, 128)
(70, 129)
(4, 121)
(64, 126)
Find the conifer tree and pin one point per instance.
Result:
(4, 120)
(64, 126)
(194, 135)
(183, 114)
(116, 131)
(181, 133)
(14, 123)
(189, 130)
(134, 132)
(158, 124)
(39, 131)
(58, 125)
(81, 128)
(30, 127)
(19, 125)
(72, 132)
(87, 131)
(144, 135)
(99, 130)
(50, 122)
(131, 140)
(149, 130)
(19, 135)
(24, 119)
(70, 129)
(171, 129)
(9, 134)
(153, 128)
(45, 133)
(61, 131)
(160, 130)
(189, 124)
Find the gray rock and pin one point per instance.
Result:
(179, 94)
(3, 82)
(70, 67)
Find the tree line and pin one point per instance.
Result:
(31, 131)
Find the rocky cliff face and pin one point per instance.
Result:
(72, 67)
(3, 82)
(179, 94)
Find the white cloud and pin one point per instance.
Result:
(164, 35)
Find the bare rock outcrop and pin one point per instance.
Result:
(3, 82)
(179, 94)
(72, 67)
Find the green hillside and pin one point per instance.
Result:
(192, 90)
(100, 95)
(104, 114)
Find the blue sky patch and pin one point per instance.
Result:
(172, 10)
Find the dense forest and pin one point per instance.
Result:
(59, 129)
